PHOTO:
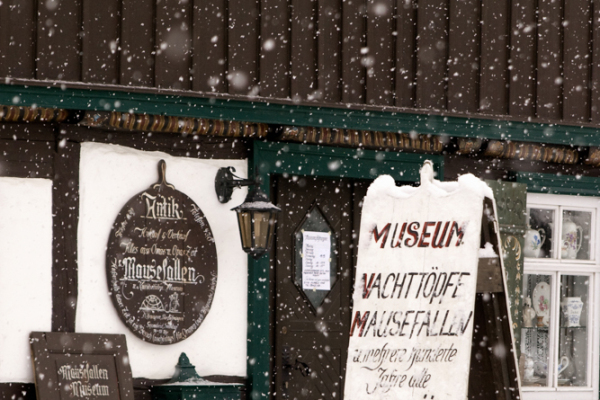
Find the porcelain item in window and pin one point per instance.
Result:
(563, 364)
(541, 303)
(567, 374)
(572, 238)
(534, 239)
(528, 313)
(528, 375)
(541, 368)
(571, 308)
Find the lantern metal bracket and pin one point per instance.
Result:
(226, 181)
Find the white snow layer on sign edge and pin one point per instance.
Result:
(25, 271)
(385, 185)
(110, 176)
(487, 251)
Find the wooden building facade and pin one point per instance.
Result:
(501, 59)
(318, 97)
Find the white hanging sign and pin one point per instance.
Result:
(414, 293)
(316, 260)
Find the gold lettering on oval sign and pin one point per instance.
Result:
(161, 207)
(164, 272)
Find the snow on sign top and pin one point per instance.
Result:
(385, 185)
(414, 295)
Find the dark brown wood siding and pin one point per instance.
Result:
(59, 31)
(210, 46)
(495, 52)
(101, 21)
(515, 59)
(275, 49)
(173, 44)
(17, 38)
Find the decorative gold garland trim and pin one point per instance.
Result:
(32, 114)
(328, 136)
(183, 125)
(524, 151)
(593, 157)
(365, 139)
(532, 152)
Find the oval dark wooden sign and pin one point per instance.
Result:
(161, 264)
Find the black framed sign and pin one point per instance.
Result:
(81, 365)
(161, 264)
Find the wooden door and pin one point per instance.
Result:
(311, 326)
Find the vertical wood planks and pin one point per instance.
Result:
(380, 56)
(303, 49)
(329, 50)
(243, 46)
(173, 44)
(17, 38)
(406, 21)
(549, 60)
(5, 28)
(101, 41)
(463, 63)
(353, 31)
(432, 54)
(275, 49)
(577, 59)
(59, 40)
(525, 58)
(493, 91)
(595, 84)
(210, 46)
(137, 43)
(65, 208)
(523, 75)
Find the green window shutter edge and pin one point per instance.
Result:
(511, 206)
(559, 184)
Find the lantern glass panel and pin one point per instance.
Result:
(245, 224)
(261, 229)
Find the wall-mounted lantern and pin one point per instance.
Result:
(257, 216)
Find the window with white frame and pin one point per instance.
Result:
(559, 337)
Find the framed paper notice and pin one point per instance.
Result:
(81, 366)
(316, 260)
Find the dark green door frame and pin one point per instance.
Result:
(271, 158)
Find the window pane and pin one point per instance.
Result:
(536, 328)
(539, 237)
(576, 235)
(572, 357)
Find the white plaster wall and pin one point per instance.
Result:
(110, 176)
(25, 271)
